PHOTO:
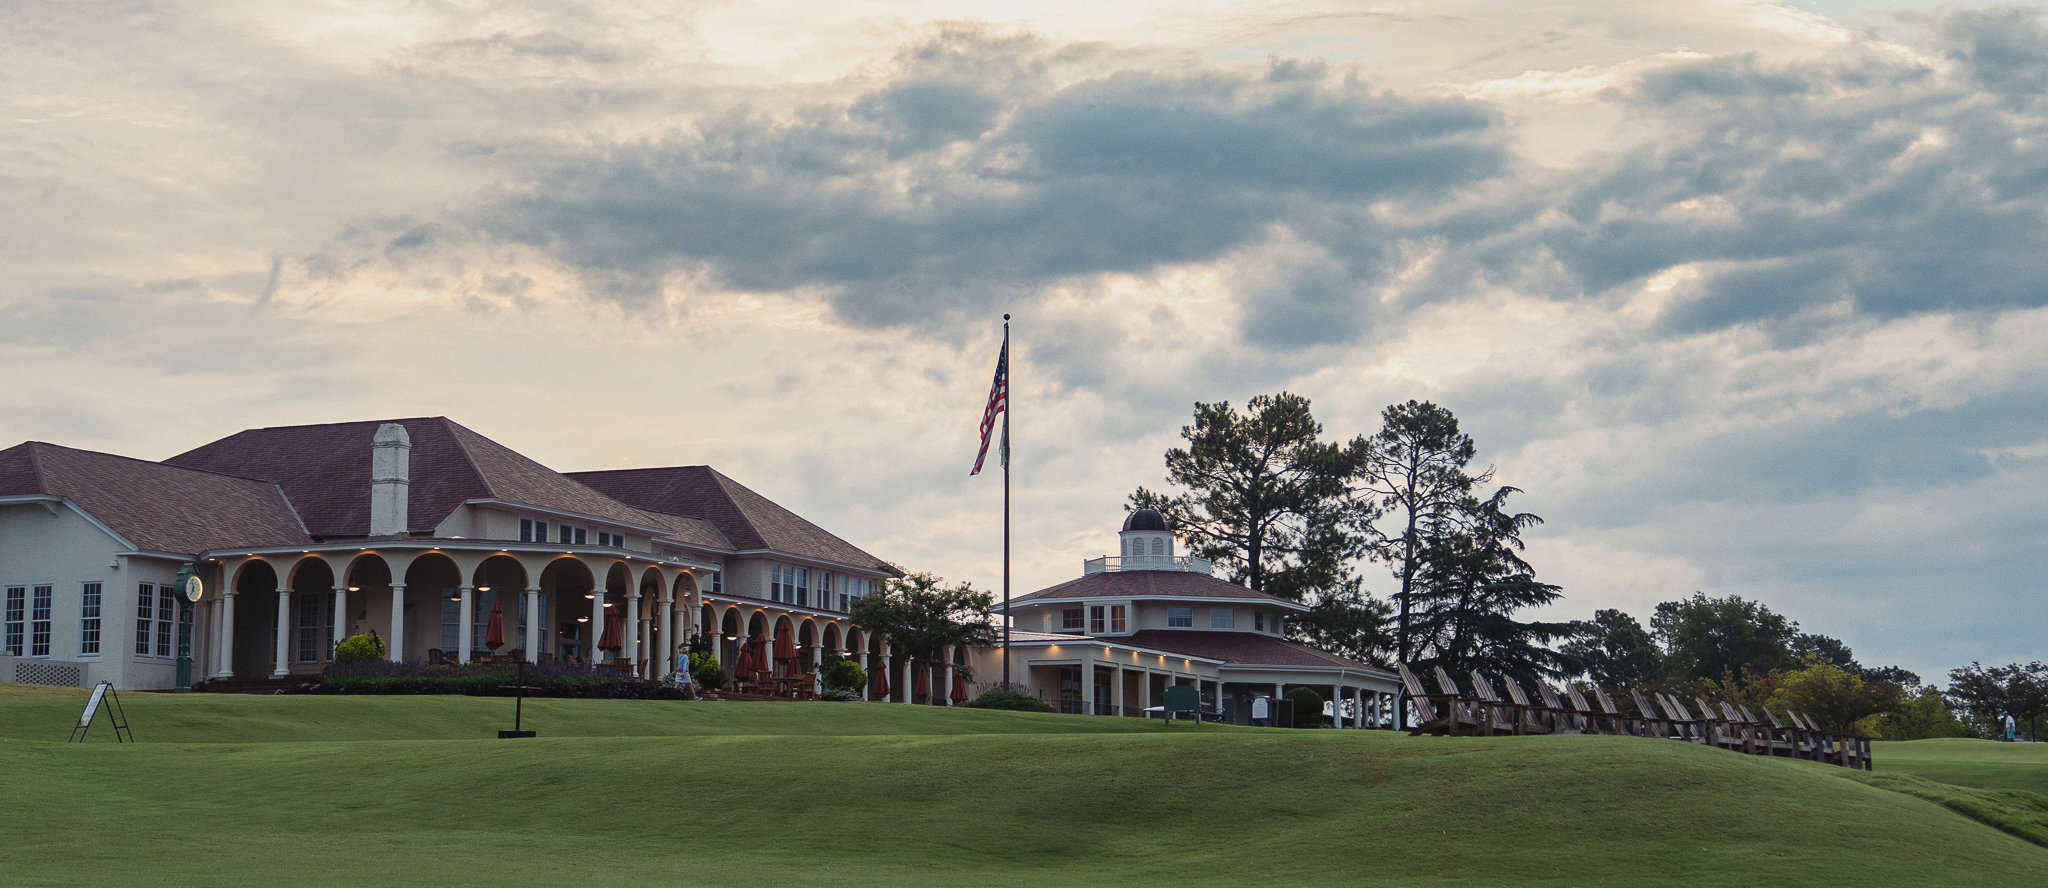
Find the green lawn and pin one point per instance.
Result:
(230, 790)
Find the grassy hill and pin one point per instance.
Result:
(260, 790)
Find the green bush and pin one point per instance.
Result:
(712, 678)
(845, 675)
(841, 695)
(1308, 707)
(360, 647)
(1014, 700)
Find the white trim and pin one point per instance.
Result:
(650, 529)
(1199, 599)
(766, 604)
(45, 499)
(1339, 671)
(1093, 640)
(811, 561)
(378, 546)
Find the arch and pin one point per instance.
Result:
(255, 582)
(1158, 546)
(501, 572)
(303, 563)
(366, 569)
(831, 641)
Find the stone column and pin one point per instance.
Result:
(632, 638)
(1358, 700)
(864, 671)
(468, 620)
(1087, 686)
(340, 617)
(284, 628)
(533, 627)
(906, 692)
(1145, 689)
(225, 666)
(1337, 706)
(945, 693)
(394, 649)
(1116, 690)
(590, 652)
(817, 670)
(664, 657)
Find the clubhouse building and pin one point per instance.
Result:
(1111, 641)
(414, 529)
(452, 547)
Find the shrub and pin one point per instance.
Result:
(712, 678)
(1308, 707)
(841, 695)
(1014, 700)
(845, 675)
(359, 647)
(493, 680)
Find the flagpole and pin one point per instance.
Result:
(1009, 404)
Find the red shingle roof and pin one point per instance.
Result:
(1239, 649)
(1151, 584)
(748, 519)
(325, 469)
(159, 508)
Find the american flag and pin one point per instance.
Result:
(998, 401)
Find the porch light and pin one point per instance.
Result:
(582, 619)
(355, 588)
(590, 595)
(483, 588)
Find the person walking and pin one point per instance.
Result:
(2012, 728)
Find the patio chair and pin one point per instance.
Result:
(1784, 741)
(1438, 711)
(1719, 733)
(1683, 725)
(1471, 712)
(1590, 722)
(1745, 727)
(1567, 720)
(1654, 725)
(1501, 715)
(1538, 717)
(1622, 722)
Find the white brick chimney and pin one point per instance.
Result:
(390, 480)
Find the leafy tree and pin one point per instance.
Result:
(1833, 696)
(1985, 693)
(1308, 707)
(1415, 471)
(1918, 716)
(921, 616)
(1265, 498)
(1349, 624)
(1614, 650)
(1471, 582)
(1904, 678)
(1808, 646)
(1722, 638)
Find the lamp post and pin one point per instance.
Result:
(190, 589)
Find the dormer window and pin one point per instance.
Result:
(1095, 620)
(1222, 618)
(1178, 617)
(1070, 619)
(1259, 620)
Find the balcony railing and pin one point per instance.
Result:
(1114, 563)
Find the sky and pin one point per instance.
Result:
(1748, 297)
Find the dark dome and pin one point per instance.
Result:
(1145, 519)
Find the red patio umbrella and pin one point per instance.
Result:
(494, 631)
(878, 686)
(924, 682)
(785, 650)
(614, 637)
(959, 687)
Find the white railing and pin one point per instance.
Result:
(1114, 564)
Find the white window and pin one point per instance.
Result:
(39, 623)
(1070, 618)
(89, 620)
(145, 617)
(1259, 620)
(564, 533)
(775, 582)
(1117, 622)
(451, 622)
(17, 607)
(1095, 624)
(718, 582)
(1158, 546)
(526, 530)
(540, 531)
(580, 537)
(1180, 617)
(1222, 618)
(316, 626)
(825, 599)
(803, 586)
(166, 619)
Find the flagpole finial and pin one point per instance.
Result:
(1006, 315)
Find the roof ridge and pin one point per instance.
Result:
(469, 458)
(705, 466)
(40, 478)
(322, 425)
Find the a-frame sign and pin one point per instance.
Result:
(104, 691)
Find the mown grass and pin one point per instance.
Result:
(407, 790)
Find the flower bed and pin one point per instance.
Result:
(488, 680)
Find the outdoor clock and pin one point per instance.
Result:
(194, 589)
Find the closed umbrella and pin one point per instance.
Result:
(785, 650)
(494, 631)
(924, 682)
(959, 687)
(614, 637)
(878, 686)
